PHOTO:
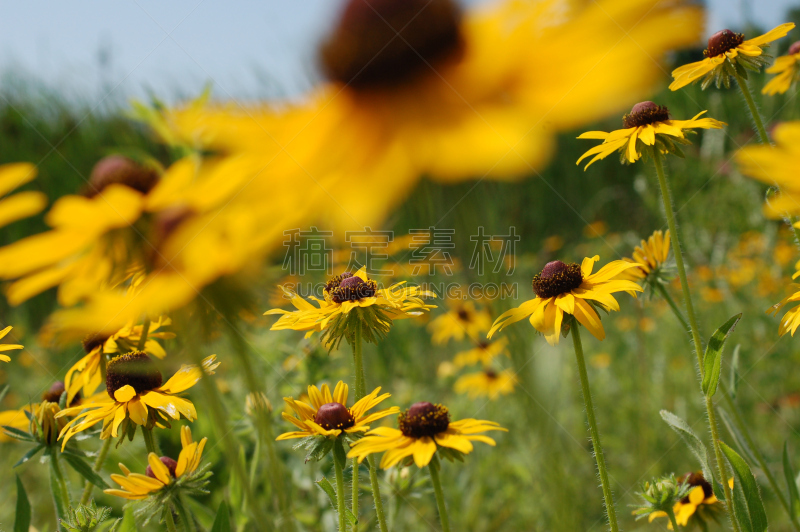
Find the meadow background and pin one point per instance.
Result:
(541, 475)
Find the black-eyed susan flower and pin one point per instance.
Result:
(137, 395)
(776, 166)
(376, 308)
(699, 504)
(786, 69)
(423, 429)
(570, 289)
(728, 55)
(22, 204)
(791, 319)
(486, 383)
(483, 353)
(650, 257)
(7, 347)
(648, 124)
(85, 375)
(461, 320)
(328, 415)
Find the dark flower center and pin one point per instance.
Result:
(167, 461)
(334, 416)
(645, 113)
(483, 344)
(424, 419)
(91, 341)
(722, 41)
(694, 480)
(132, 369)
(794, 48)
(463, 315)
(383, 43)
(53, 394)
(491, 374)
(348, 287)
(557, 278)
(123, 171)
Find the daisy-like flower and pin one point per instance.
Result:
(570, 289)
(776, 166)
(486, 383)
(162, 473)
(787, 70)
(791, 320)
(85, 375)
(424, 429)
(136, 396)
(461, 320)
(22, 204)
(348, 292)
(727, 53)
(483, 353)
(650, 256)
(700, 504)
(328, 414)
(7, 347)
(648, 124)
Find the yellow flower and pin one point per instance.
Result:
(649, 256)
(447, 94)
(698, 503)
(574, 290)
(483, 353)
(22, 204)
(424, 429)
(7, 347)
(19, 419)
(791, 320)
(776, 166)
(328, 415)
(346, 292)
(463, 319)
(161, 472)
(727, 48)
(486, 383)
(134, 384)
(787, 68)
(647, 124)
(85, 375)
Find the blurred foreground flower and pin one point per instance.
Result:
(786, 68)
(7, 347)
(22, 204)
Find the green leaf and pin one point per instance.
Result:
(30, 454)
(741, 442)
(791, 483)
(18, 434)
(22, 519)
(326, 486)
(694, 443)
(3, 391)
(85, 470)
(712, 360)
(128, 523)
(740, 510)
(222, 522)
(746, 483)
(735, 372)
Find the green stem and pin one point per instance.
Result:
(762, 463)
(149, 440)
(187, 522)
(170, 521)
(354, 502)
(98, 465)
(748, 97)
(675, 310)
(595, 433)
(671, 515)
(669, 212)
(361, 387)
(58, 488)
(433, 470)
(145, 333)
(338, 470)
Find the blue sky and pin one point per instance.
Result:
(255, 49)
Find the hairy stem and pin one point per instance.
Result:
(338, 471)
(187, 522)
(671, 515)
(98, 465)
(58, 488)
(748, 97)
(433, 471)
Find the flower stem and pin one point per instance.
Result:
(58, 488)
(98, 465)
(433, 470)
(338, 471)
(149, 440)
(354, 502)
(675, 310)
(671, 514)
(361, 386)
(187, 522)
(595, 433)
(170, 521)
(145, 333)
(666, 196)
(748, 97)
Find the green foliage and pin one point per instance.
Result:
(748, 507)
(222, 521)
(791, 482)
(712, 360)
(690, 438)
(22, 519)
(86, 518)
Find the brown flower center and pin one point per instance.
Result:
(722, 41)
(694, 480)
(794, 48)
(334, 416)
(645, 113)
(557, 278)
(463, 315)
(91, 341)
(424, 419)
(167, 461)
(53, 394)
(383, 43)
(132, 369)
(349, 287)
(123, 171)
